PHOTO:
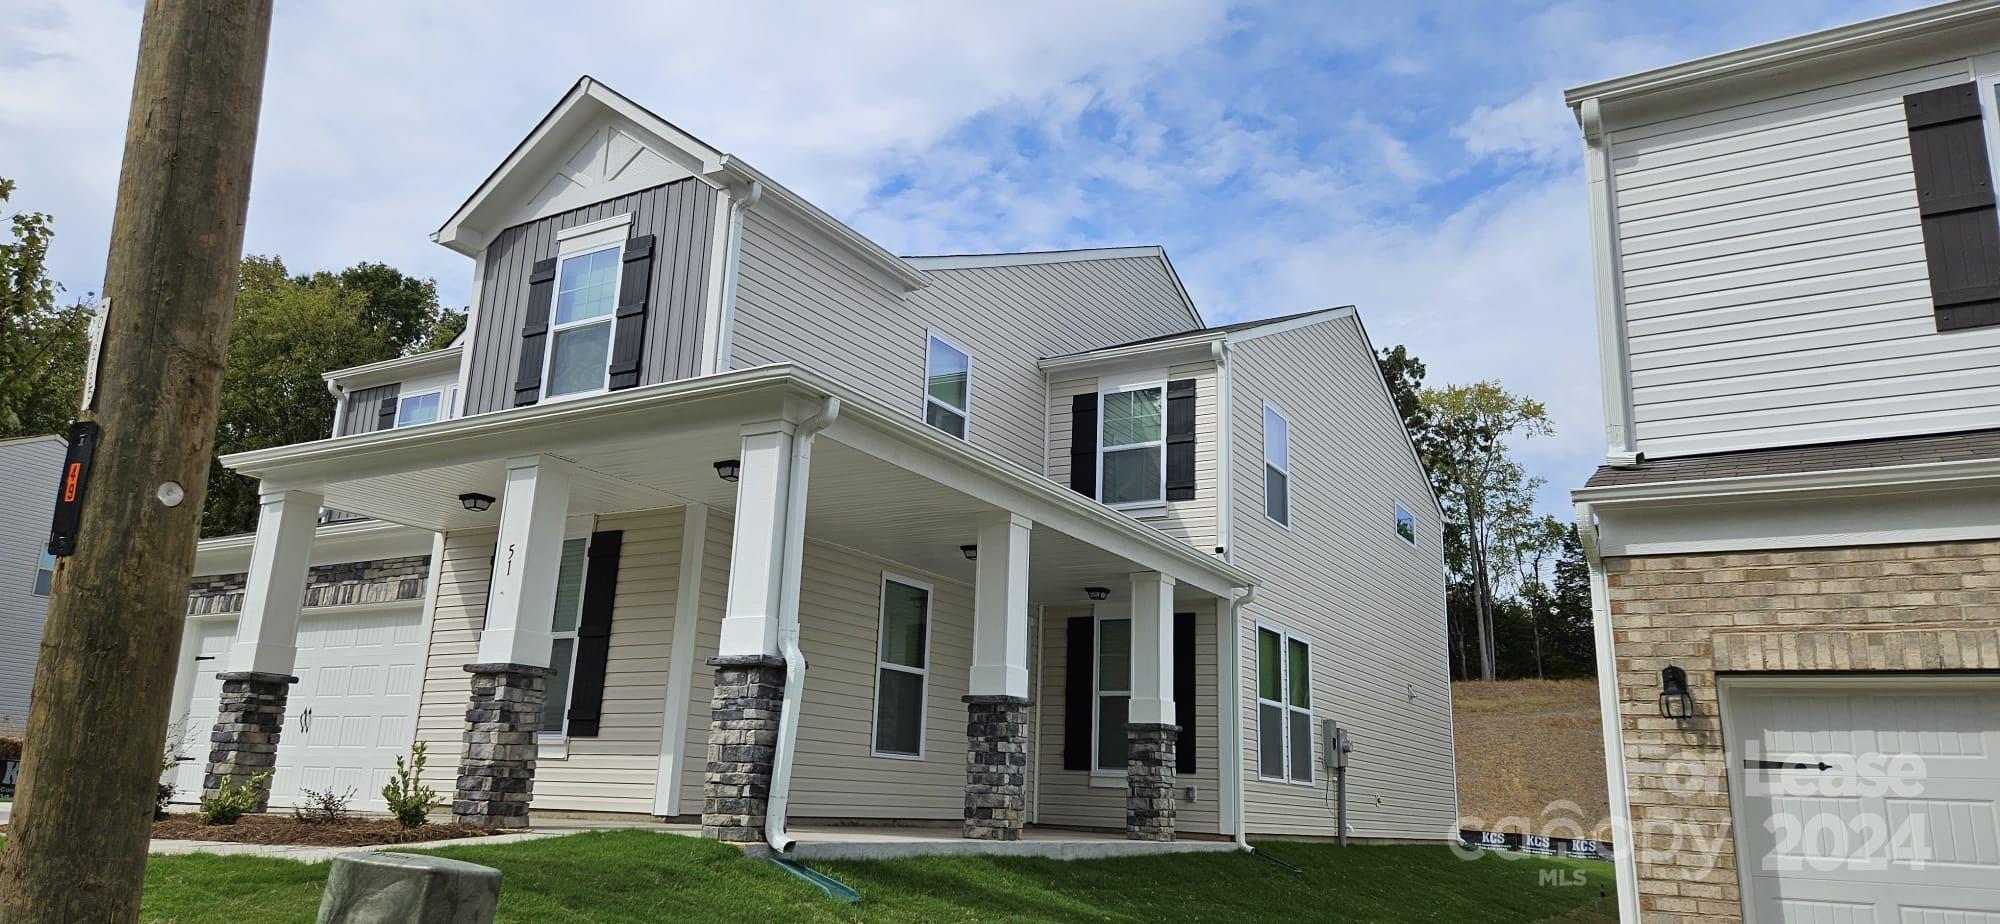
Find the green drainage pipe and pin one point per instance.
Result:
(834, 888)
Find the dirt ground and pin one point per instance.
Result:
(275, 828)
(1531, 749)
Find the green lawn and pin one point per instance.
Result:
(646, 876)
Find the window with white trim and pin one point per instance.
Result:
(45, 574)
(1284, 706)
(562, 636)
(1132, 445)
(947, 386)
(1277, 466)
(902, 668)
(581, 322)
(1406, 524)
(420, 408)
(1114, 694)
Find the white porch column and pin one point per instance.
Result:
(1000, 608)
(1152, 649)
(267, 632)
(521, 605)
(756, 562)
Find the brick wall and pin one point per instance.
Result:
(1890, 608)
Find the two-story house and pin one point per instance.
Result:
(1795, 537)
(28, 466)
(733, 515)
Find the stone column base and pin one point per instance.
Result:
(244, 742)
(1149, 782)
(496, 774)
(742, 744)
(996, 767)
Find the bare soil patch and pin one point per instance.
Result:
(1525, 747)
(284, 829)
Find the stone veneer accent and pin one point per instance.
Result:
(496, 774)
(1149, 781)
(1886, 608)
(749, 696)
(996, 767)
(244, 742)
(380, 581)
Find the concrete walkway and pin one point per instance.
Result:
(859, 842)
(304, 854)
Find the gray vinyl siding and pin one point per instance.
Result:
(680, 216)
(1191, 521)
(1773, 272)
(28, 473)
(364, 409)
(794, 303)
(1372, 606)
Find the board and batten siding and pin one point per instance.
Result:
(28, 472)
(796, 304)
(1372, 606)
(1066, 798)
(681, 218)
(1191, 521)
(1773, 273)
(363, 413)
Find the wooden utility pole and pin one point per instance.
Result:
(83, 808)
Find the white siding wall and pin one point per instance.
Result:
(1773, 272)
(1372, 606)
(28, 473)
(1192, 521)
(795, 303)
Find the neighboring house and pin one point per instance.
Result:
(740, 517)
(29, 467)
(1798, 278)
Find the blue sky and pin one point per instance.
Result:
(1414, 159)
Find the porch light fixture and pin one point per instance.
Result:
(971, 552)
(728, 470)
(1675, 700)
(475, 502)
(1098, 593)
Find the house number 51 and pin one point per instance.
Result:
(510, 558)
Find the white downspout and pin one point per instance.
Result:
(1623, 846)
(725, 333)
(1234, 763)
(1224, 509)
(788, 625)
(339, 405)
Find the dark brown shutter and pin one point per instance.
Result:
(1079, 693)
(593, 634)
(385, 413)
(1184, 691)
(1083, 444)
(1955, 198)
(628, 337)
(1180, 440)
(534, 333)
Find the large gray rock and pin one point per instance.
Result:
(397, 888)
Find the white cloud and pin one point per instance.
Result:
(1535, 125)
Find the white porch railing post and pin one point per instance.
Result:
(996, 736)
(257, 674)
(1152, 736)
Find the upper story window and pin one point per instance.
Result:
(420, 408)
(45, 574)
(1277, 466)
(579, 360)
(1406, 524)
(947, 387)
(1132, 450)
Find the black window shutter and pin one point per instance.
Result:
(593, 634)
(1955, 199)
(1079, 694)
(1184, 691)
(385, 412)
(1180, 439)
(1083, 444)
(534, 333)
(628, 338)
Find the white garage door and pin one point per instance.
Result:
(351, 714)
(1867, 802)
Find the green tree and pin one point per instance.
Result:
(1488, 497)
(288, 331)
(43, 347)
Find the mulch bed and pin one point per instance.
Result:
(284, 829)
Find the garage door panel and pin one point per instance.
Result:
(1948, 916)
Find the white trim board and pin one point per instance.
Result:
(1945, 513)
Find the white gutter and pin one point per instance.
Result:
(1233, 756)
(339, 405)
(788, 625)
(1624, 852)
(732, 258)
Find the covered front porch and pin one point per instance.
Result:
(756, 690)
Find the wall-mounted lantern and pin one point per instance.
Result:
(1675, 700)
(475, 502)
(1098, 593)
(971, 552)
(728, 470)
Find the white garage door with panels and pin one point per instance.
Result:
(1867, 800)
(352, 712)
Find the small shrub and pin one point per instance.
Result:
(161, 798)
(323, 808)
(409, 799)
(230, 801)
(171, 758)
